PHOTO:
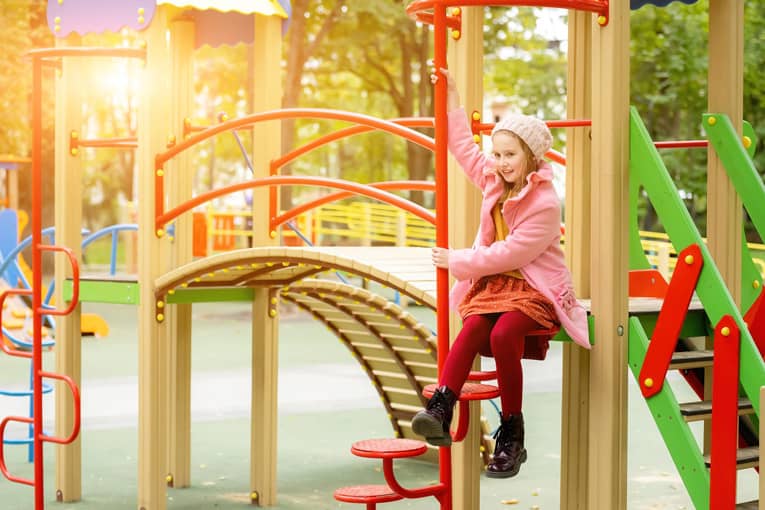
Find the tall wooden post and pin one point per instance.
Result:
(153, 351)
(179, 185)
(466, 64)
(68, 222)
(607, 476)
(266, 145)
(726, 93)
(575, 418)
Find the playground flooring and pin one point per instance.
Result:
(325, 404)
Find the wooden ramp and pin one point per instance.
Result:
(395, 350)
(406, 270)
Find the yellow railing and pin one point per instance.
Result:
(373, 224)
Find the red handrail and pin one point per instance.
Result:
(599, 7)
(344, 133)
(163, 218)
(313, 204)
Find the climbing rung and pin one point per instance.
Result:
(366, 494)
(745, 458)
(470, 391)
(695, 411)
(388, 448)
(685, 360)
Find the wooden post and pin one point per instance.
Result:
(724, 210)
(153, 352)
(726, 92)
(266, 144)
(179, 185)
(465, 57)
(575, 406)
(68, 222)
(607, 476)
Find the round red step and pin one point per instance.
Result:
(388, 448)
(470, 391)
(479, 375)
(366, 494)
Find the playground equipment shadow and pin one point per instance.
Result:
(325, 404)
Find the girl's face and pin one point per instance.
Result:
(512, 156)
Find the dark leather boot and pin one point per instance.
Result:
(434, 421)
(509, 452)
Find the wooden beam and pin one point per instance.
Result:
(575, 406)
(266, 143)
(607, 478)
(68, 223)
(180, 184)
(465, 57)
(153, 350)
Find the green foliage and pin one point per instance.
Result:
(523, 67)
(668, 86)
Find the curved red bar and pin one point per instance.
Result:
(292, 113)
(345, 133)
(600, 7)
(313, 204)
(75, 281)
(3, 468)
(75, 402)
(421, 492)
(6, 349)
(361, 189)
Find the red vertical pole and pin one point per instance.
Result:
(442, 225)
(37, 278)
(725, 414)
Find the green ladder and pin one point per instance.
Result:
(736, 359)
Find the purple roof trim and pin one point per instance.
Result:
(637, 4)
(86, 16)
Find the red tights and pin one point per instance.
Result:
(501, 335)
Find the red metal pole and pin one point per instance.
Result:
(442, 226)
(37, 279)
(725, 414)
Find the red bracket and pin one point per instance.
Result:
(670, 321)
(725, 413)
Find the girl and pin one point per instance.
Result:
(513, 281)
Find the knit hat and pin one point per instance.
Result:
(531, 130)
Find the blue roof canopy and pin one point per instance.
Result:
(637, 4)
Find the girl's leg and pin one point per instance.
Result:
(472, 339)
(507, 344)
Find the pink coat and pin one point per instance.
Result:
(533, 243)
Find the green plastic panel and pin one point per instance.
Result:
(221, 295)
(739, 166)
(105, 291)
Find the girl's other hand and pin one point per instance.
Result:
(452, 94)
(440, 257)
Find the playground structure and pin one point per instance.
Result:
(599, 234)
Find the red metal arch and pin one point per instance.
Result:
(352, 187)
